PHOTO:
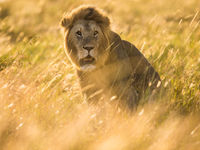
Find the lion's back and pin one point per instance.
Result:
(139, 71)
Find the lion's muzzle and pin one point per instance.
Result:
(87, 60)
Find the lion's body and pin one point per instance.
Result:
(118, 68)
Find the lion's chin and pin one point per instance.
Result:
(87, 67)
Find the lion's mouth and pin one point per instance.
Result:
(87, 60)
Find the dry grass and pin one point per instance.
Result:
(41, 107)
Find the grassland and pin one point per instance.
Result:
(40, 103)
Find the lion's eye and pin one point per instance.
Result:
(96, 33)
(79, 33)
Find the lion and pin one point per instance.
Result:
(106, 65)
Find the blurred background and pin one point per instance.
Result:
(40, 103)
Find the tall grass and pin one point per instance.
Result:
(41, 107)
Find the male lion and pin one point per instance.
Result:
(106, 64)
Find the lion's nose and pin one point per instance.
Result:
(89, 48)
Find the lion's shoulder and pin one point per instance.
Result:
(122, 49)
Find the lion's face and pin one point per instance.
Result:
(86, 45)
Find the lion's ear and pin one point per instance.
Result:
(103, 21)
(106, 21)
(65, 22)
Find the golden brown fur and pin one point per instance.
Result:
(106, 65)
(86, 13)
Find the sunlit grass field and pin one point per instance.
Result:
(41, 107)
